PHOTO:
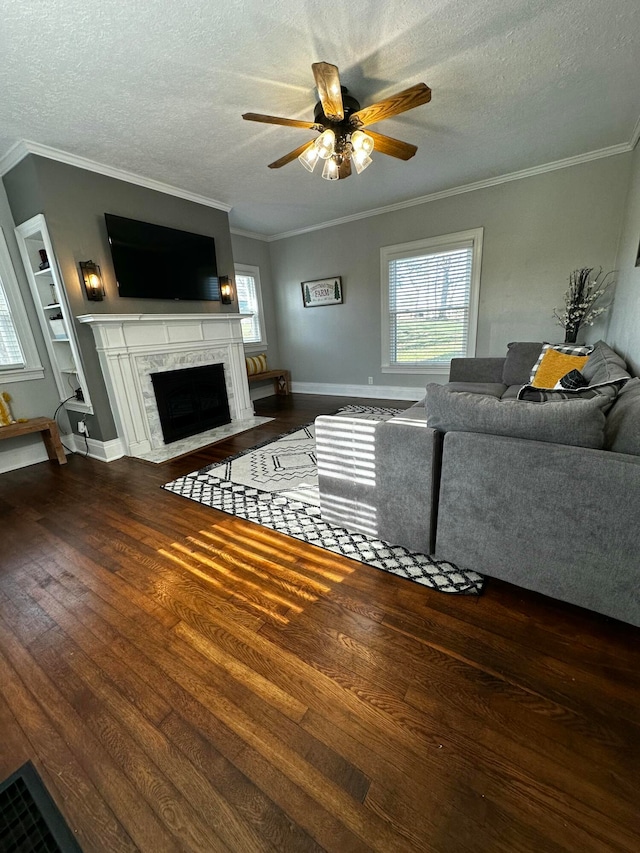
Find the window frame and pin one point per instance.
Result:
(32, 367)
(431, 245)
(254, 272)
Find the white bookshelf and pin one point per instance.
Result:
(50, 298)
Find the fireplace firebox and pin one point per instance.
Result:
(191, 400)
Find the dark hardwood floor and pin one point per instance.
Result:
(184, 680)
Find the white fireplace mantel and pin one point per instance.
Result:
(133, 346)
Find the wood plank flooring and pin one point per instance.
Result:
(186, 681)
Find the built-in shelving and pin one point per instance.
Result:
(54, 315)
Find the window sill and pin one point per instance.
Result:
(261, 347)
(22, 374)
(441, 369)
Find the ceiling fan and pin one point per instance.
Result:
(339, 120)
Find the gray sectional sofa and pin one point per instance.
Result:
(545, 495)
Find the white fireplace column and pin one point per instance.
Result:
(133, 346)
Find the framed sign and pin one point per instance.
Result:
(323, 291)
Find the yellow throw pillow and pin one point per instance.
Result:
(554, 366)
(257, 364)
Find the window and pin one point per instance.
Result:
(250, 302)
(430, 302)
(18, 354)
(10, 350)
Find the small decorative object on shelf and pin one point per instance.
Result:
(57, 326)
(583, 301)
(6, 417)
(44, 261)
(54, 295)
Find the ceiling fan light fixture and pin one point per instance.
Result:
(331, 171)
(338, 119)
(309, 158)
(361, 160)
(325, 144)
(361, 141)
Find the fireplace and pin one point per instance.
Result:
(131, 347)
(191, 400)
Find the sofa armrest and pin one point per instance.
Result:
(554, 518)
(476, 369)
(379, 478)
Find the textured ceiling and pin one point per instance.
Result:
(158, 89)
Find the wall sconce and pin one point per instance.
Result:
(92, 279)
(226, 290)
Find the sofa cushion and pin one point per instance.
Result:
(554, 365)
(577, 422)
(604, 365)
(622, 429)
(521, 356)
(511, 393)
(492, 389)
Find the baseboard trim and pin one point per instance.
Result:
(260, 393)
(103, 451)
(379, 392)
(22, 457)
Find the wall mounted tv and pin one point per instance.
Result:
(155, 262)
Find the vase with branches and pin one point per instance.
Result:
(583, 301)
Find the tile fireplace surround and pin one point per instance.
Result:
(133, 346)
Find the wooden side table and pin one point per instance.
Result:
(281, 380)
(47, 428)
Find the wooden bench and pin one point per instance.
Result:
(281, 380)
(47, 428)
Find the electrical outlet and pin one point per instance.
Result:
(82, 428)
(371, 380)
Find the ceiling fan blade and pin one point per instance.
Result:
(392, 147)
(328, 85)
(398, 103)
(288, 122)
(344, 169)
(277, 164)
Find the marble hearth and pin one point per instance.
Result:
(133, 346)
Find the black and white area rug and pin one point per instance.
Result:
(276, 485)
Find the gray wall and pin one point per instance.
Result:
(74, 202)
(34, 397)
(624, 326)
(536, 231)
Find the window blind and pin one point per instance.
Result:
(10, 351)
(429, 302)
(246, 292)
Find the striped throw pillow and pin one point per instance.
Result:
(256, 364)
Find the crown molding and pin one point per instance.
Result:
(253, 235)
(24, 147)
(13, 156)
(611, 151)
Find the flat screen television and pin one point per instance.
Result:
(155, 262)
